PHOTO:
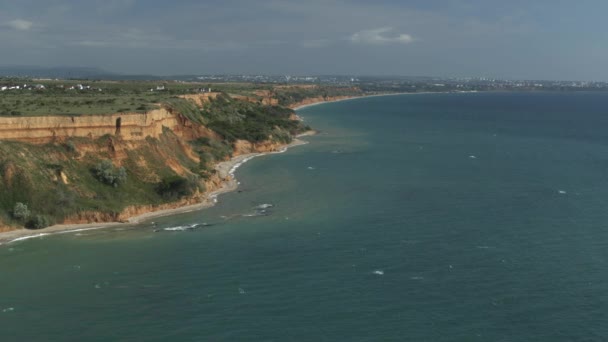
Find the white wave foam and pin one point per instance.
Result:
(237, 165)
(562, 192)
(378, 272)
(8, 309)
(188, 227)
(78, 230)
(29, 237)
(256, 214)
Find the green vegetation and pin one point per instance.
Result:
(21, 212)
(249, 121)
(108, 174)
(174, 187)
(77, 177)
(293, 94)
(69, 97)
(37, 103)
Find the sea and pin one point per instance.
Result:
(423, 217)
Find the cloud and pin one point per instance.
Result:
(381, 36)
(20, 24)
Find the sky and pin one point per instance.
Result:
(512, 39)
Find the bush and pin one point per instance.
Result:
(175, 187)
(70, 146)
(38, 222)
(106, 173)
(21, 212)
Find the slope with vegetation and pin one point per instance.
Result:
(108, 178)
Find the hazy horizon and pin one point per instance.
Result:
(546, 40)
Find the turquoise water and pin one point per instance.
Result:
(436, 217)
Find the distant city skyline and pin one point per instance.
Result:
(540, 40)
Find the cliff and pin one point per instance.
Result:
(319, 99)
(52, 163)
(45, 129)
(200, 99)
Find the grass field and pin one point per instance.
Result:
(64, 97)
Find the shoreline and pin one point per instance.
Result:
(380, 95)
(225, 169)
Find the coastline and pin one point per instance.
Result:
(226, 170)
(379, 95)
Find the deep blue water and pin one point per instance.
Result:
(430, 217)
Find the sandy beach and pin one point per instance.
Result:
(225, 169)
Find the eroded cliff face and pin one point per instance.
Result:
(200, 99)
(265, 98)
(319, 99)
(45, 129)
(245, 147)
(4, 227)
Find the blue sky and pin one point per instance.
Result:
(509, 39)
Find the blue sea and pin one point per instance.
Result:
(427, 217)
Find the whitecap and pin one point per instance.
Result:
(265, 206)
(311, 168)
(472, 157)
(241, 291)
(186, 227)
(8, 309)
(256, 214)
(378, 272)
(417, 278)
(562, 192)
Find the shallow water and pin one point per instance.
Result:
(435, 217)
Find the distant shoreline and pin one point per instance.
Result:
(381, 95)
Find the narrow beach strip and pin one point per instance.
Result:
(226, 170)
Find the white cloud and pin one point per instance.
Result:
(20, 24)
(381, 36)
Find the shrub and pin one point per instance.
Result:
(70, 146)
(39, 222)
(21, 212)
(174, 187)
(106, 173)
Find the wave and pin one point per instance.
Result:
(187, 227)
(29, 237)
